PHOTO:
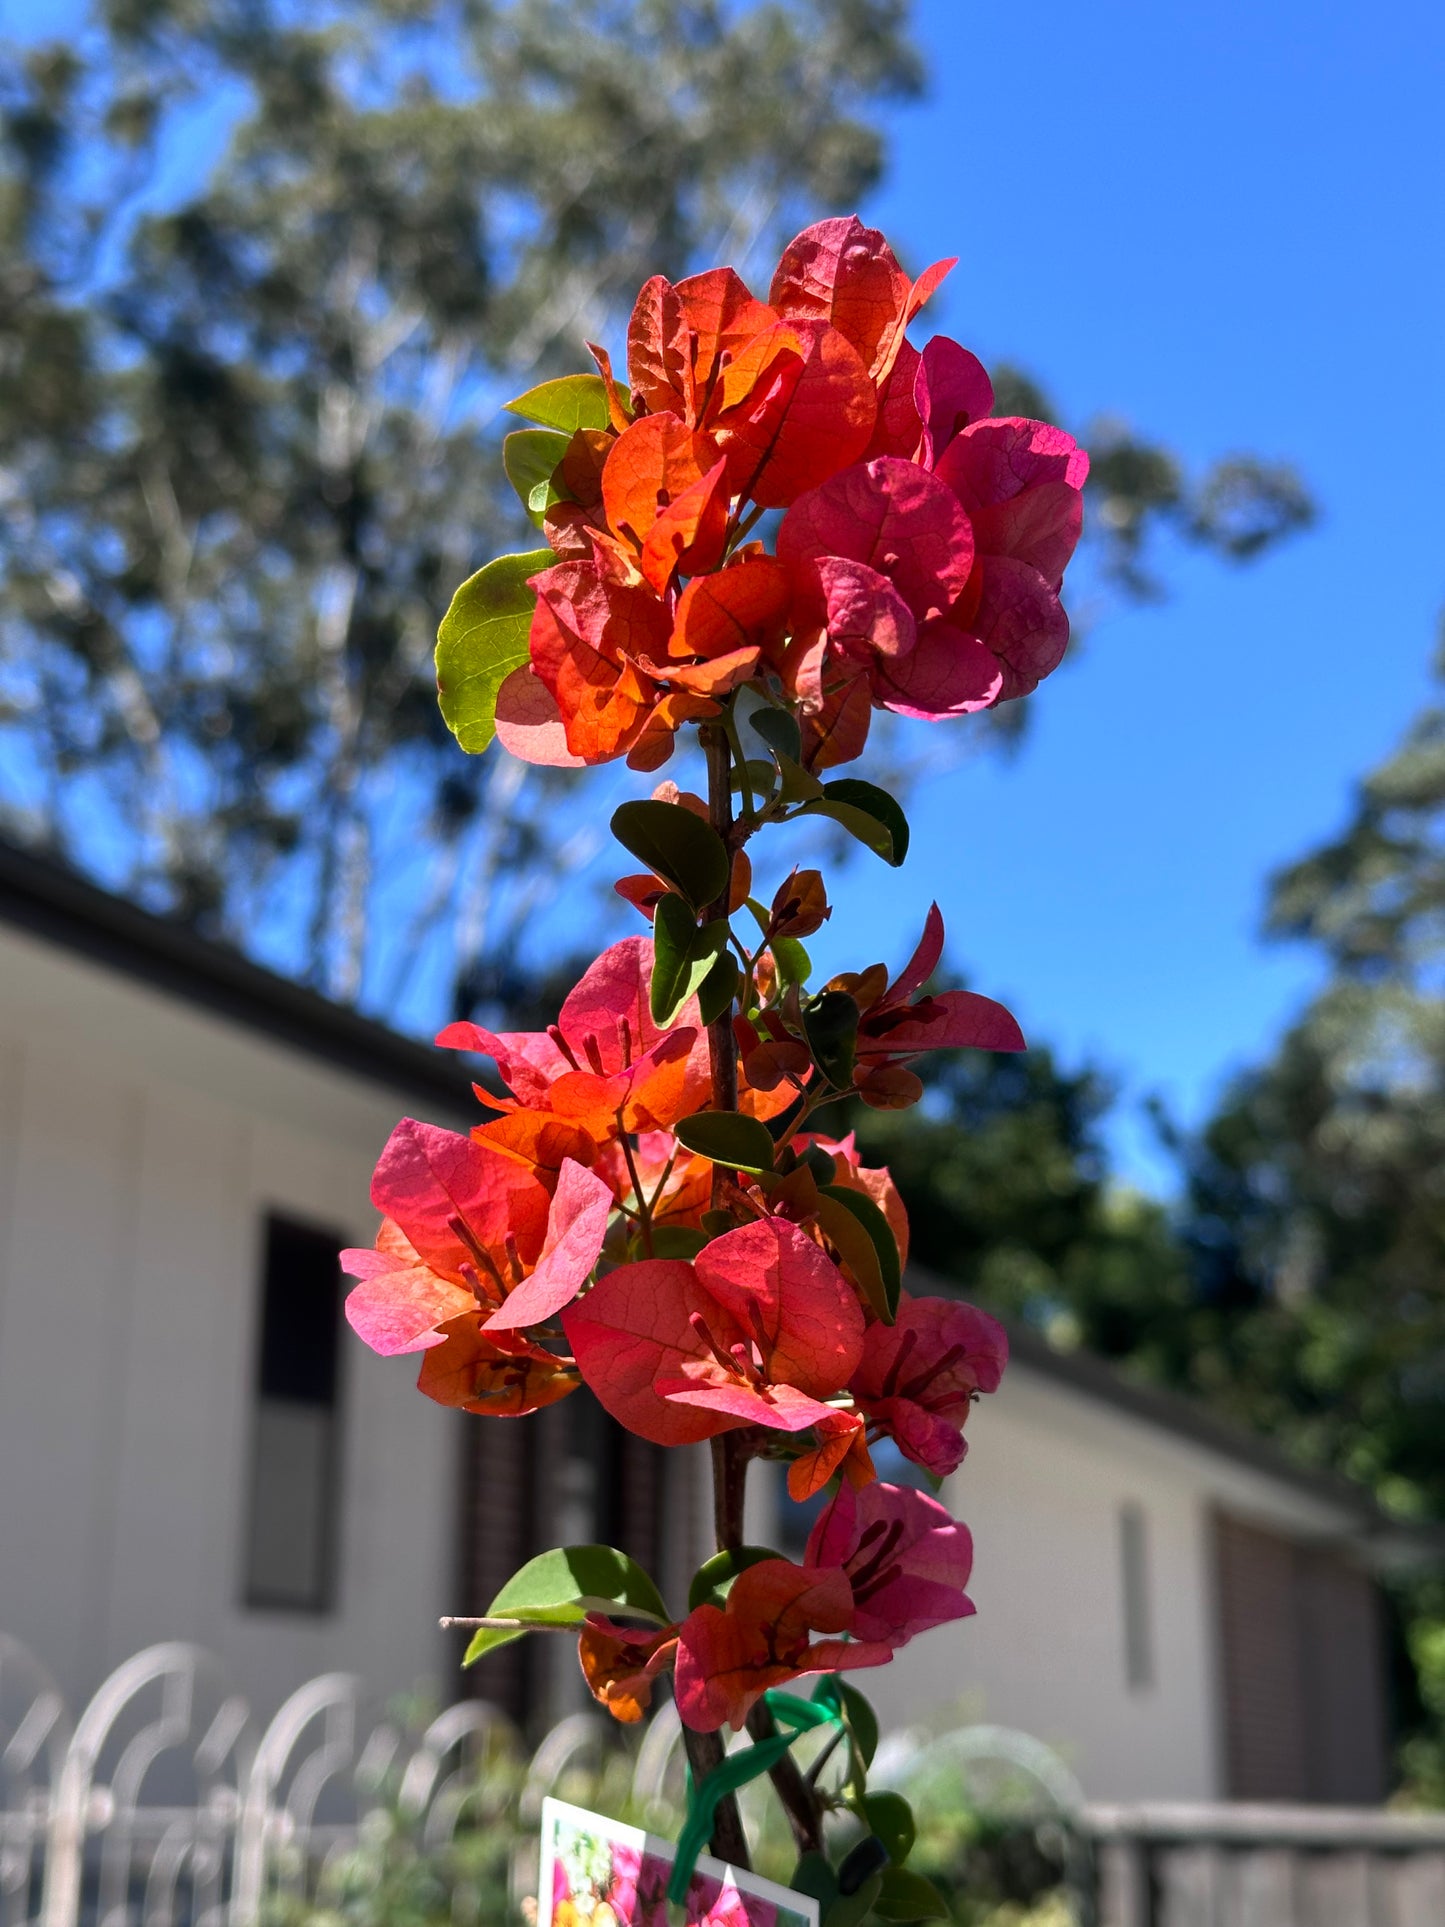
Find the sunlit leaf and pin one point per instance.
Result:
(688, 853)
(866, 812)
(799, 785)
(483, 637)
(728, 1138)
(560, 1588)
(713, 1579)
(858, 1715)
(682, 956)
(718, 989)
(795, 966)
(569, 403)
(830, 1026)
(855, 1248)
(779, 730)
(530, 456)
(876, 1228)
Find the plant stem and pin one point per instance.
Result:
(644, 1208)
(729, 1489)
(798, 1795)
(722, 1045)
(729, 1842)
(705, 1750)
(731, 1451)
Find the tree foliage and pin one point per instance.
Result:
(1317, 1195)
(268, 272)
(248, 421)
(1005, 1176)
(1315, 1208)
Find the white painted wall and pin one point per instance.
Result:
(1049, 1470)
(141, 1144)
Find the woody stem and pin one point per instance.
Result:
(705, 1750)
(722, 1045)
(731, 1450)
(644, 1207)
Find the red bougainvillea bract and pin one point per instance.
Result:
(765, 522)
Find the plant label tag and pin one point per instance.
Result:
(596, 1872)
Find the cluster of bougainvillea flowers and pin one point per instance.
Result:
(657, 1202)
(570, 1239)
(918, 562)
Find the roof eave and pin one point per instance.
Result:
(54, 903)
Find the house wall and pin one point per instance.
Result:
(141, 1144)
(1048, 1475)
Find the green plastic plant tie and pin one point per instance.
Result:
(796, 1716)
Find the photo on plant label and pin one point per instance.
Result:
(596, 1872)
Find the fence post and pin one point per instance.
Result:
(333, 1699)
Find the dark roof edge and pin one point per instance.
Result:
(40, 896)
(1096, 1378)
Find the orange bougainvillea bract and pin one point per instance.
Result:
(767, 519)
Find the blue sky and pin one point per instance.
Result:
(1224, 223)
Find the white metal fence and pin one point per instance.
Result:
(163, 1806)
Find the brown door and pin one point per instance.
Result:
(569, 1475)
(1302, 1666)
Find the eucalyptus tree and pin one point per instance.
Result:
(267, 272)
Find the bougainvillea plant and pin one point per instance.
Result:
(653, 1207)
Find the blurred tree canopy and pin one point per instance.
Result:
(266, 273)
(1317, 1194)
(1005, 1176)
(1313, 1222)
(1299, 1285)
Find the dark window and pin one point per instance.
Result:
(290, 1552)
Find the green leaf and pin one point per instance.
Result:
(728, 1138)
(718, 989)
(798, 784)
(761, 776)
(855, 1248)
(823, 1167)
(858, 1714)
(879, 1232)
(850, 1910)
(683, 1241)
(864, 811)
(561, 1587)
(814, 1876)
(482, 639)
(569, 403)
(795, 966)
(683, 850)
(908, 1896)
(779, 730)
(530, 455)
(830, 1027)
(713, 1579)
(682, 956)
(891, 1818)
(862, 1863)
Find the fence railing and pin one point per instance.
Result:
(162, 1805)
(1244, 1865)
